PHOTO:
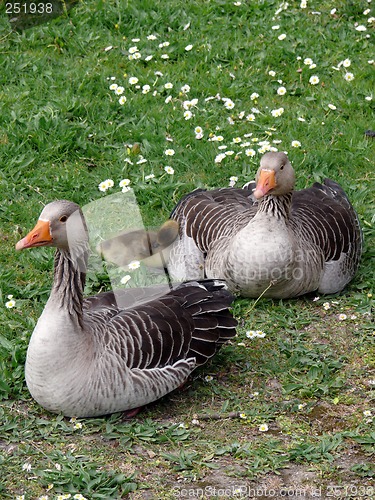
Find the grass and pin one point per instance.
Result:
(63, 132)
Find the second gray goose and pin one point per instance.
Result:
(268, 239)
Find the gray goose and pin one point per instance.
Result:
(268, 239)
(86, 357)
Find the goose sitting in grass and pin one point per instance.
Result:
(86, 357)
(268, 239)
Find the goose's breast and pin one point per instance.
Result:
(57, 359)
(255, 260)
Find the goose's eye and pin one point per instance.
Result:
(282, 167)
(63, 218)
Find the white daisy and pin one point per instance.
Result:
(229, 104)
(10, 303)
(124, 183)
(169, 170)
(133, 265)
(250, 152)
(220, 157)
(314, 80)
(349, 77)
(277, 112)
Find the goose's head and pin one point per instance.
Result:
(275, 175)
(61, 225)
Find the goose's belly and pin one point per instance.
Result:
(67, 372)
(255, 264)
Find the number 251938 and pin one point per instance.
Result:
(28, 8)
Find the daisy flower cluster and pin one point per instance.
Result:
(344, 65)
(109, 183)
(10, 303)
(253, 334)
(124, 184)
(153, 48)
(340, 316)
(134, 265)
(131, 85)
(105, 185)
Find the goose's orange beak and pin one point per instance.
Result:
(37, 237)
(266, 182)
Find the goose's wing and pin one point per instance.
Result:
(323, 214)
(153, 347)
(206, 216)
(149, 350)
(325, 210)
(189, 322)
(122, 299)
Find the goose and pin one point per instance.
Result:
(87, 357)
(267, 239)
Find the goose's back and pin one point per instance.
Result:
(207, 216)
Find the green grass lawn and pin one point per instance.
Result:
(121, 90)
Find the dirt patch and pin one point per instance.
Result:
(297, 481)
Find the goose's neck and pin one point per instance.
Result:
(69, 282)
(277, 206)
